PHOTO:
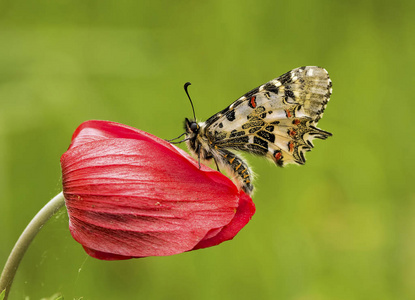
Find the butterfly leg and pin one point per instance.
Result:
(198, 150)
(207, 156)
(217, 166)
(239, 168)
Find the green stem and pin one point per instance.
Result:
(25, 239)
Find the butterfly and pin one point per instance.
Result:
(277, 120)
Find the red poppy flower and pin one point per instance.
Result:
(130, 194)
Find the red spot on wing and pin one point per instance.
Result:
(291, 146)
(253, 102)
(296, 122)
(288, 113)
(292, 132)
(278, 156)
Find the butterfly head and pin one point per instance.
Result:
(191, 126)
(195, 139)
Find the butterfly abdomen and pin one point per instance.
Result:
(238, 168)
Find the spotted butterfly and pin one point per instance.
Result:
(277, 120)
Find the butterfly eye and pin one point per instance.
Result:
(194, 127)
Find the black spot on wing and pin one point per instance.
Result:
(289, 94)
(243, 139)
(254, 129)
(230, 115)
(212, 120)
(253, 123)
(286, 78)
(235, 133)
(225, 112)
(269, 86)
(260, 142)
(266, 135)
(256, 149)
(235, 141)
(302, 158)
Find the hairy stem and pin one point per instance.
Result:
(25, 239)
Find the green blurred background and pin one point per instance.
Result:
(340, 227)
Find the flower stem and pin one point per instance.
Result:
(25, 239)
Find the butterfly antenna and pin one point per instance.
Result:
(176, 137)
(186, 85)
(184, 140)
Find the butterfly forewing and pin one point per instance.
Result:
(277, 120)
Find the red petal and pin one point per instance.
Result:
(104, 255)
(244, 213)
(130, 194)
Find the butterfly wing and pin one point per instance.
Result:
(277, 119)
